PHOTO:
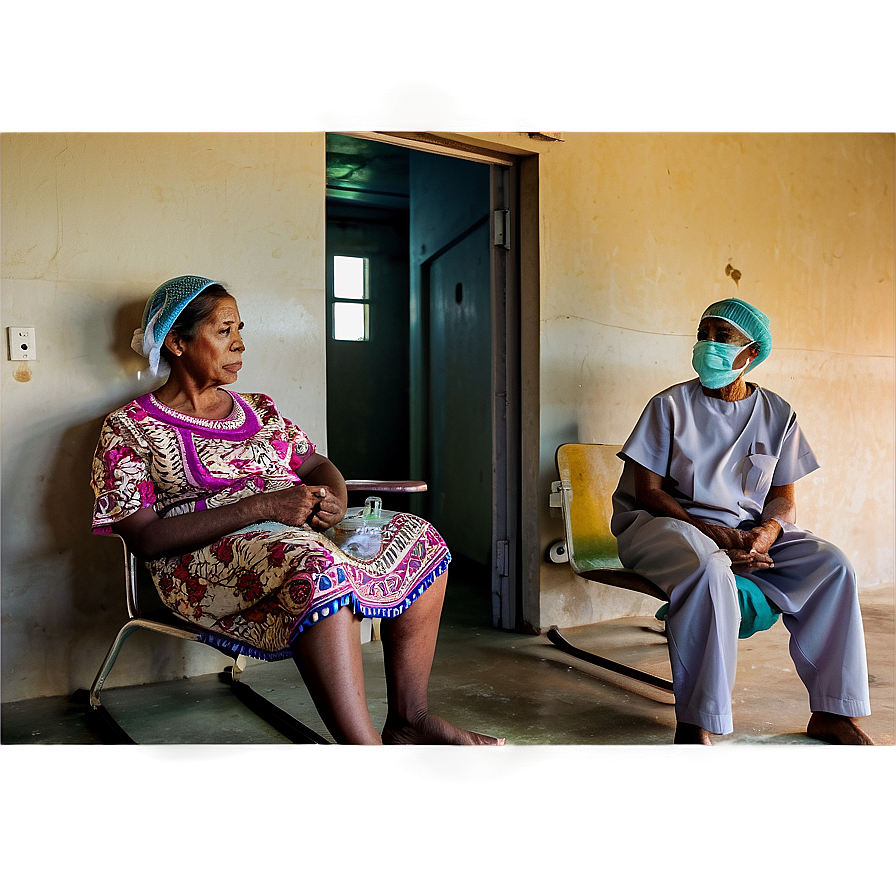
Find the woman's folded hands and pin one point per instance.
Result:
(746, 549)
(317, 505)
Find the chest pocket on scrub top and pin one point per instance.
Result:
(758, 470)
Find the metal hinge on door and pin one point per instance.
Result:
(502, 227)
(501, 560)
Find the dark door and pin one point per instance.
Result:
(428, 395)
(460, 393)
(452, 360)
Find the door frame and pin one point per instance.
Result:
(516, 554)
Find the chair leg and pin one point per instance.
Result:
(97, 716)
(558, 640)
(238, 667)
(126, 630)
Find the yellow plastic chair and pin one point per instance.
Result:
(584, 492)
(589, 474)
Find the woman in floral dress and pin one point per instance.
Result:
(227, 501)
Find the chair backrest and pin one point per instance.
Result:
(589, 475)
(142, 603)
(130, 581)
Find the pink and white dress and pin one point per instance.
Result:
(268, 582)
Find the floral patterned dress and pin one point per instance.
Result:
(268, 582)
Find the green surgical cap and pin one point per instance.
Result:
(751, 321)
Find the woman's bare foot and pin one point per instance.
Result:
(686, 733)
(834, 729)
(433, 730)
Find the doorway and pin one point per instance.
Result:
(415, 387)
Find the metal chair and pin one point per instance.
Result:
(168, 623)
(589, 474)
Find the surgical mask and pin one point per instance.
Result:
(713, 362)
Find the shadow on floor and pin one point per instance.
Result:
(234, 808)
(504, 683)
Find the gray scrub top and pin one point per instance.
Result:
(718, 458)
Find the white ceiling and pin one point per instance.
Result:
(457, 65)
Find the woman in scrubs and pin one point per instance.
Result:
(707, 491)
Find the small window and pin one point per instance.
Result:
(350, 321)
(349, 277)
(350, 284)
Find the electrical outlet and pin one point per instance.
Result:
(21, 344)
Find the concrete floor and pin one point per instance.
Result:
(522, 819)
(515, 685)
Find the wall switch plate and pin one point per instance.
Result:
(21, 344)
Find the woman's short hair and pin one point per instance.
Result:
(191, 318)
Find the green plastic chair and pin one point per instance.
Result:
(589, 474)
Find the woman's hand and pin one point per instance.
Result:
(756, 554)
(293, 506)
(764, 536)
(650, 496)
(726, 538)
(747, 549)
(327, 487)
(316, 505)
(745, 561)
(329, 510)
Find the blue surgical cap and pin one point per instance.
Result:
(749, 320)
(162, 309)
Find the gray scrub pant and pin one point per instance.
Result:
(812, 583)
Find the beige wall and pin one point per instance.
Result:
(635, 233)
(90, 225)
